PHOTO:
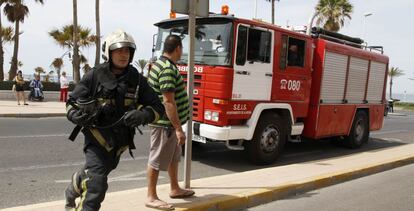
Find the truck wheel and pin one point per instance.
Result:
(268, 140)
(359, 132)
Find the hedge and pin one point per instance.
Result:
(47, 86)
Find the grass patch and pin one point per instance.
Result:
(405, 106)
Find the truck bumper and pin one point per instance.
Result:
(217, 133)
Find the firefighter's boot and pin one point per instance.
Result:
(74, 190)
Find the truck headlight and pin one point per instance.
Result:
(215, 116)
(207, 115)
(211, 115)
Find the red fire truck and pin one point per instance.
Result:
(258, 85)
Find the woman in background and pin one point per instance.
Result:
(19, 87)
(64, 85)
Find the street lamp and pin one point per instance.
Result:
(365, 22)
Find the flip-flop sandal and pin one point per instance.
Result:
(159, 205)
(185, 194)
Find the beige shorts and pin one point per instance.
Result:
(163, 148)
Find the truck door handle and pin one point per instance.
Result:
(269, 74)
(244, 72)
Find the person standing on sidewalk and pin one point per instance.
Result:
(167, 135)
(64, 86)
(19, 87)
(109, 102)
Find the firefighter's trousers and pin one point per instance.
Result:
(90, 183)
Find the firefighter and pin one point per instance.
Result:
(108, 103)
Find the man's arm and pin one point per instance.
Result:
(172, 114)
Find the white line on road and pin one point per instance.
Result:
(127, 177)
(36, 167)
(35, 136)
(393, 140)
(388, 132)
(46, 136)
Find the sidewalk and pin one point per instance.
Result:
(34, 109)
(247, 189)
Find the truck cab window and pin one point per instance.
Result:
(296, 52)
(259, 46)
(241, 45)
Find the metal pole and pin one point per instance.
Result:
(255, 9)
(190, 88)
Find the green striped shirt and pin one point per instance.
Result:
(165, 77)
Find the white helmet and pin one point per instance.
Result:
(115, 40)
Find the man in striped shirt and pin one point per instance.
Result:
(167, 135)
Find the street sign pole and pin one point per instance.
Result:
(190, 88)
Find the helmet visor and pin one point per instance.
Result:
(119, 45)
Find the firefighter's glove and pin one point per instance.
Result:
(79, 118)
(136, 118)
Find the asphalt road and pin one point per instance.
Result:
(37, 160)
(386, 191)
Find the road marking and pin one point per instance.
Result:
(35, 136)
(127, 177)
(46, 136)
(389, 131)
(393, 140)
(36, 167)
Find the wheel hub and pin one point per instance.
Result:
(359, 131)
(269, 140)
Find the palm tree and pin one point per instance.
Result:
(39, 70)
(57, 64)
(98, 34)
(6, 37)
(1, 45)
(75, 60)
(16, 11)
(65, 39)
(141, 63)
(273, 10)
(394, 72)
(332, 13)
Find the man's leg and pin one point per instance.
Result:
(153, 169)
(173, 173)
(152, 175)
(92, 182)
(74, 189)
(176, 191)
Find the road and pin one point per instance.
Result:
(36, 159)
(387, 191)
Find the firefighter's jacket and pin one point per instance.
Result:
(115, 95)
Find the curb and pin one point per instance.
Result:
(33, 115)
(261, 196)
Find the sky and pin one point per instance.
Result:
(389, 26)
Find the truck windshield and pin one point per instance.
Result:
(212, 45)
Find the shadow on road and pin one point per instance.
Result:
(218, 156)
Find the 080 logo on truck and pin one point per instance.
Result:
(291, 85)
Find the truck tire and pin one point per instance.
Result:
(268, 140)
(359, 132)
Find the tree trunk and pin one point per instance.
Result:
(391, 88)
(75, 61)
(1, 51)
(98, 34)
(273, 11)
(14, 61)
